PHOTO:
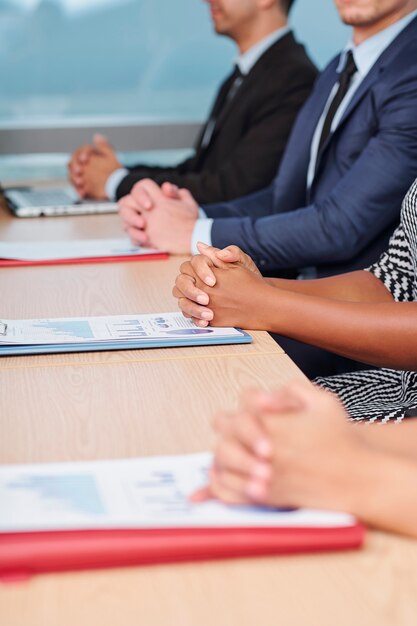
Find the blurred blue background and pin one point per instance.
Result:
(147, 59)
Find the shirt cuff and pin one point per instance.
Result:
(201, 232)
(114, 181)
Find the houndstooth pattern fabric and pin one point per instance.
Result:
(375, 395)
(397, 267)
(384, 394)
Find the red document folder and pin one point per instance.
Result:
(106, 259)
(25, 554)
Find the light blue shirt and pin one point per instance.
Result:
(245, 63)
(365, 55)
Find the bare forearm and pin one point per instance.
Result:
(380, 333)
(358, 286)
(385, 493)
(396, 438)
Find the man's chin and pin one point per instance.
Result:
(219, 30)
(357, 18)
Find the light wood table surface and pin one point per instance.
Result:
(126, 404)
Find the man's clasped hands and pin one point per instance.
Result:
(161, 217)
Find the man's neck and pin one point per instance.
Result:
(362, 33)
(249, 39)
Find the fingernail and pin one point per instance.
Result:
(207, 315)
(202, 299)
(224, 254)
(262, 471)
(256, 490)
(210, 281)
(202, 244)
(263, 447)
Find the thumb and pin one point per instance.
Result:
(102, 144)
(212, 254)
(201, 495)
(232, 254)
(295, 396)
(170, 191)
(185, 195)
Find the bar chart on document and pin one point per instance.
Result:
(64, 330)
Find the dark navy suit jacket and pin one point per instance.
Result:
(364, 171)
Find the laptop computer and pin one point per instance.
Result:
(52, 201)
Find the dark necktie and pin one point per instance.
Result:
(345, 78)
(236, 79)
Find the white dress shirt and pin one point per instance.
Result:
(114, 181)
(365, 55)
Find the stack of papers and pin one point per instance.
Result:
(132, 493)
(118, 332)
(64, 252)
(89, 514)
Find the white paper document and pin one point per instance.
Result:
(134, 493)
(62, 250)
(115, 328)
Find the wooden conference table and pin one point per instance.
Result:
(126, 404)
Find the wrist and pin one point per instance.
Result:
(276, 310)
(256, 307)
(381, 490)
(187, 237)
(364, 481)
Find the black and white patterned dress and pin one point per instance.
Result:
(386, 394)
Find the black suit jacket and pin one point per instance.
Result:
(251, 132)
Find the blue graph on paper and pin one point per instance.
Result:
(73, 330)
(159, 494)
(67, 494)
(128, 329)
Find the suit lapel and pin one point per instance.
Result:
(318, 100)
(274, 55)
(218, 103)
(362, 90)
(384, 60)
(224, 112)
(370, 79)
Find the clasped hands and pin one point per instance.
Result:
(161, 217)
(290, 448)
(221, 288)
(90, 167)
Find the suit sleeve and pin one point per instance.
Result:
(250, 165)
(156, 173)
(258, 204)
(364, 202)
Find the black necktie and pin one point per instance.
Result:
(345, 78)
(235, 81)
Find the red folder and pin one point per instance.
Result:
(25, 554)
(105, 259)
